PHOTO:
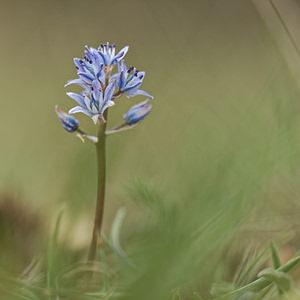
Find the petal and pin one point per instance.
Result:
(78, 98)
(109, 91)
(104, 57)
(77, 81)
(86, 77)
(123, 66)
(88, 53)
(136, 78)
(106, 105)
(99, 66)
(113, 77)
(87, 101)
(120, 55)
(141, 92)
(132, 88)
(94, 109)
(78, 65)
(96, 89)
(121, 81)
(95, 118)
(78, 109)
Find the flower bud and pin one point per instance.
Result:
(137, 113)
(68, 122)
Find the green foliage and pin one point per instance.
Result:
(217, 161)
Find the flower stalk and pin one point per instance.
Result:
(99, 212)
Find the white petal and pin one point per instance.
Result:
(95, 118)
(78, 109)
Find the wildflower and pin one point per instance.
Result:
(93, 103)
(129, 80)
(68, 122)
(107, 53)
(88, 70)
(137, 113)
(97, 64)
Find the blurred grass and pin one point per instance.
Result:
(217, 160)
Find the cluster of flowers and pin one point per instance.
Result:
(101, 87)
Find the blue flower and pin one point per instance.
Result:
(107, 52)
(97, 64)
(129, 80)
(88, 69)
(68, 122)
(93, 102)
(137, 113)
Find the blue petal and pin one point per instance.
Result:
(120, 55)
(113, 77)
(109, 91)
(99, 67)
(78, 98)
(78, 65)
(104, 57)
(86, 77)
(132, 87)
(96, 89)
(78, 109)
(121, 81)
(123, 66)
(77, 81)
(141, 92)
(88, 53)
(136, 78)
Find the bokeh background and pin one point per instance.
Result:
(220, 149)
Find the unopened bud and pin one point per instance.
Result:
(137, 113)
(68, 122)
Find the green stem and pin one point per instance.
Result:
(261, 283)
(100, 146)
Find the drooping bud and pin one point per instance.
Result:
(68, 122)
(137, 113)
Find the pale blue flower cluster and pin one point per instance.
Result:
(101, 87)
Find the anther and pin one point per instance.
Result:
(130, 69)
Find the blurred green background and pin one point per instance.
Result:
(221, 144)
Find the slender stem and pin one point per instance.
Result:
(261, 283)
(100, 147)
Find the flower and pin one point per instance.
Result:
(129, 80)
(93, 65)
(107, 53)
(68, 122)
(137, 113)
(93, 102)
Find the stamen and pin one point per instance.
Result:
(130, 69)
